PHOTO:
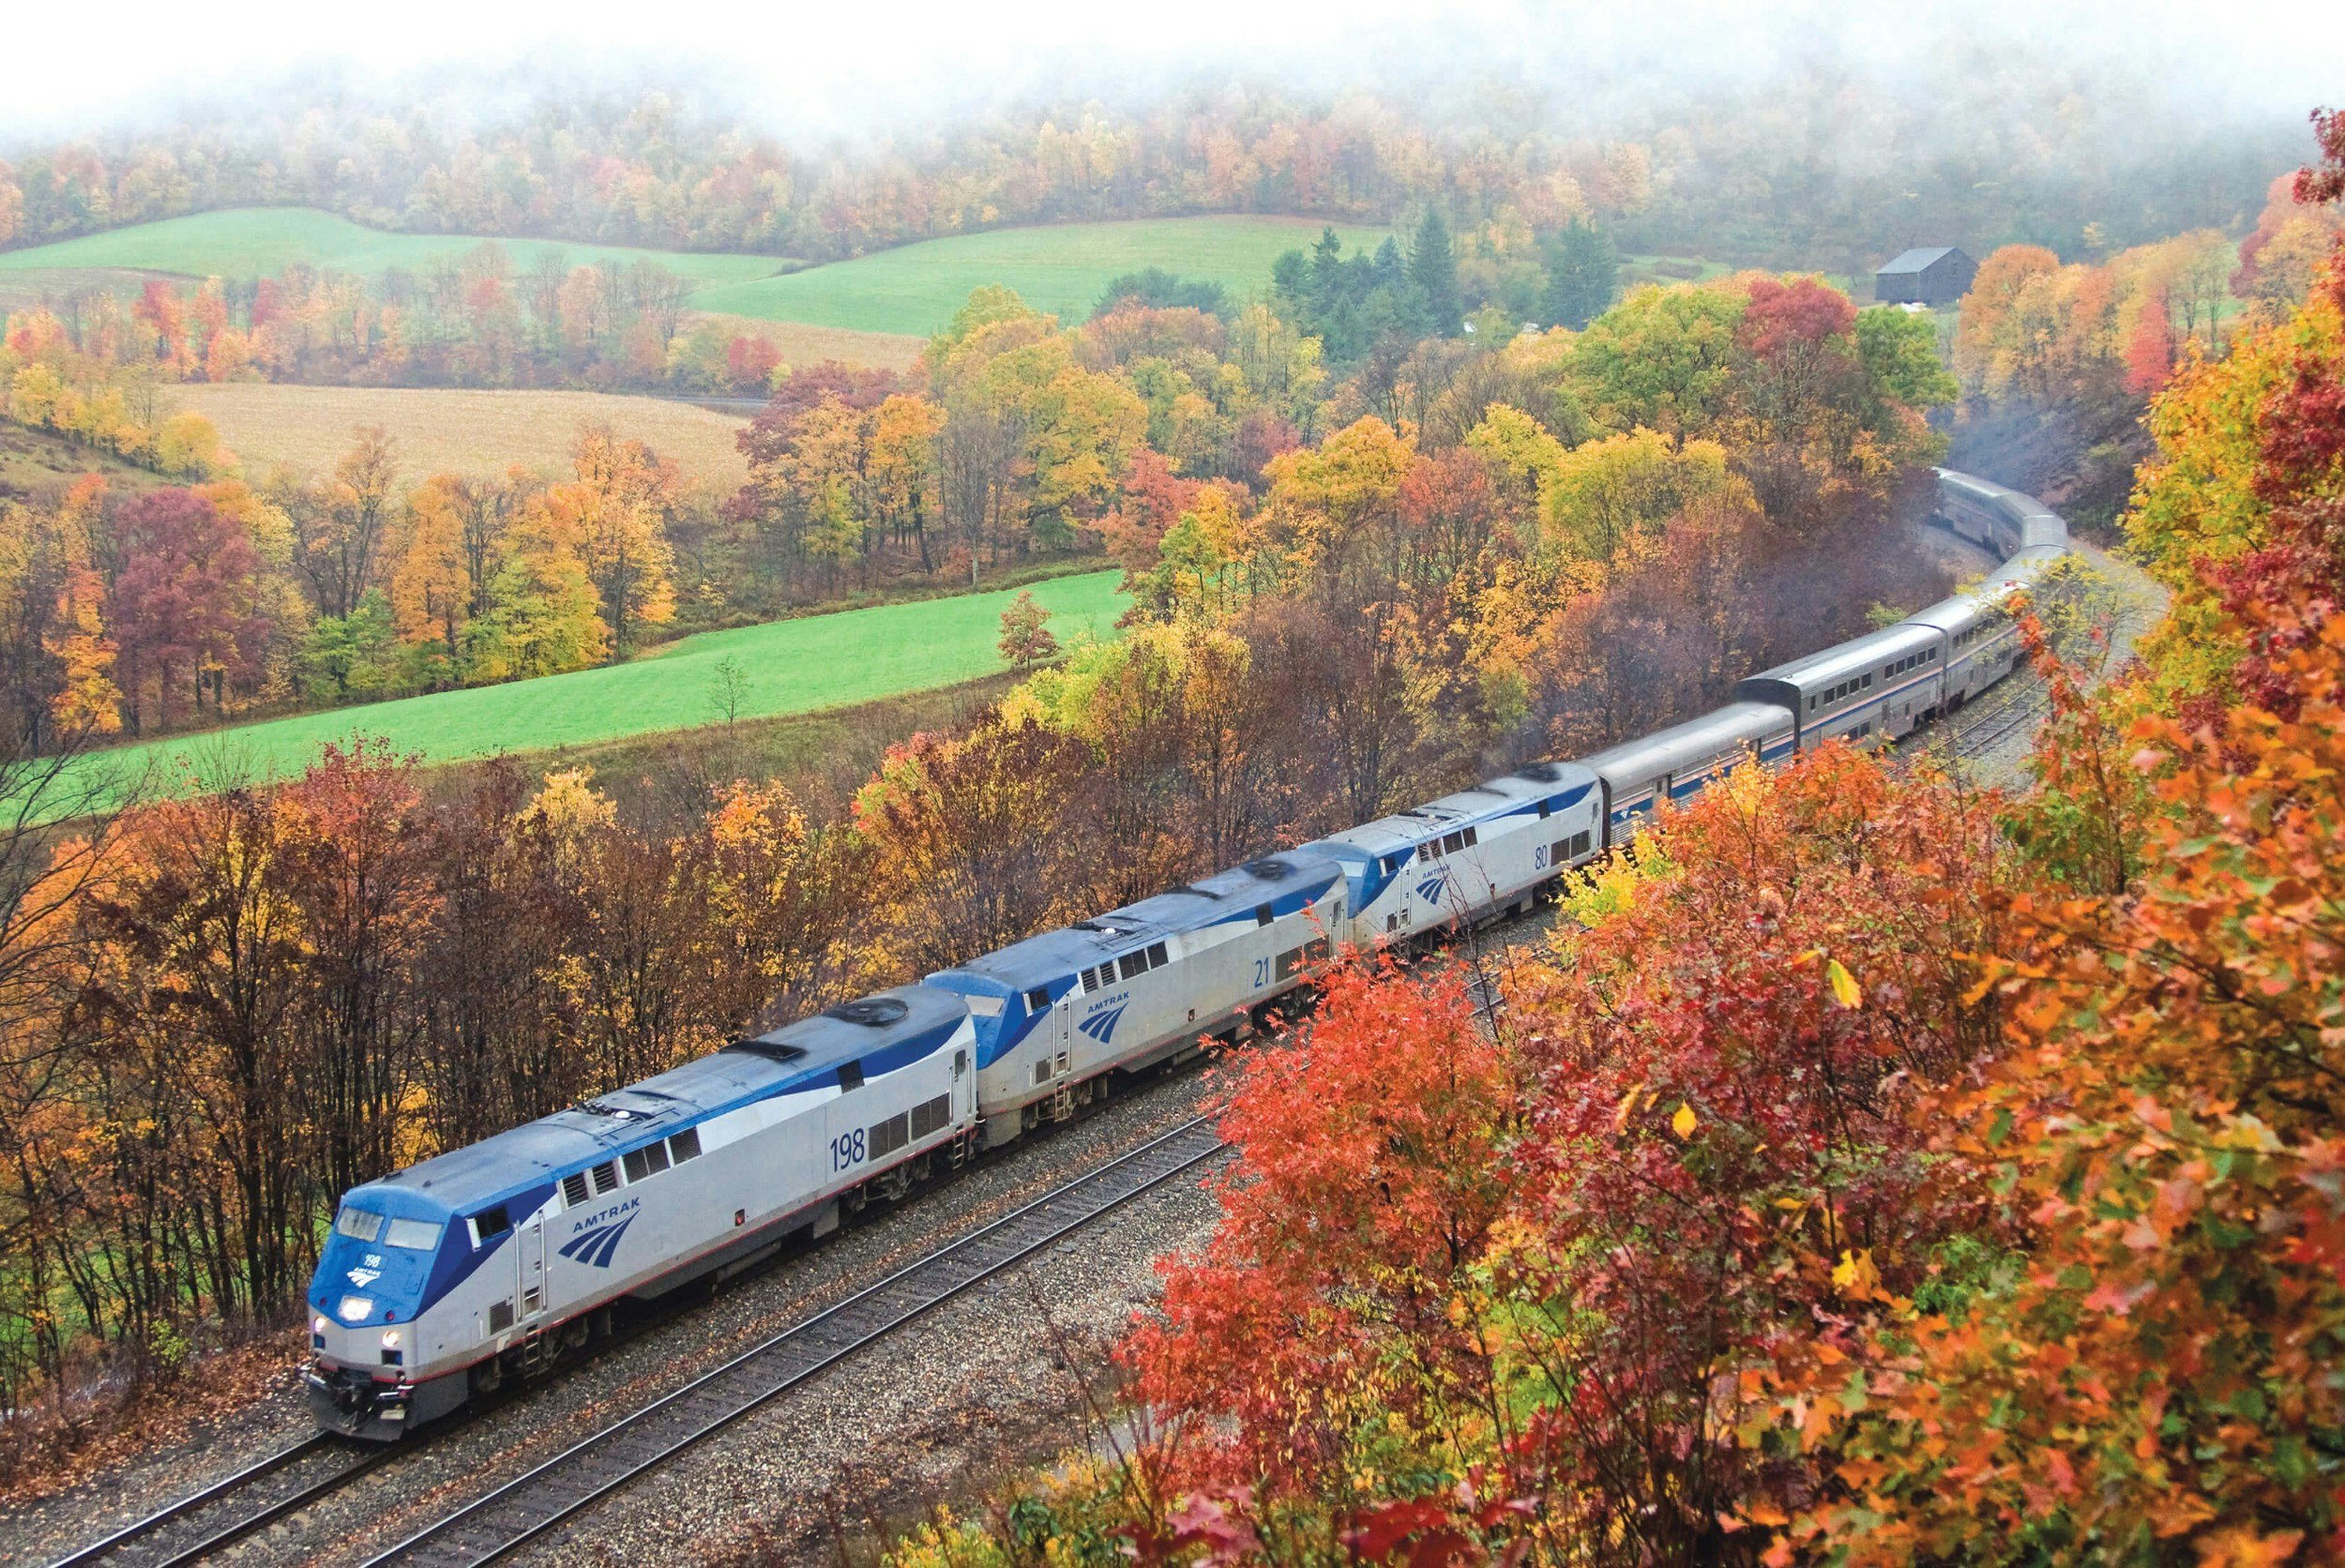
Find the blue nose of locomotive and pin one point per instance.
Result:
(377, 1263)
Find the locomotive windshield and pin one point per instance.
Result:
(416, 1235)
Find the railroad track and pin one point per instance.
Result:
(226, 1512)
(2019, 703)
(525, 1508)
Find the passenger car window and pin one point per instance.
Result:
(416, 1235)
(358, 1225)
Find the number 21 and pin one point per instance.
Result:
(1262, 973)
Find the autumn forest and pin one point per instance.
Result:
(1877, 1165)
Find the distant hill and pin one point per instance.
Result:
(912, 289)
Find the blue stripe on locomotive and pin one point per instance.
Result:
(1052, 961)
(1381, 867)
(406, 1283)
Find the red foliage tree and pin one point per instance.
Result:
(1369, 1172)
(749, 359)
(770, 434)
(1798, 339)
(185, 603)
(2288, 589)
(2158, 1381)
(2150, 354)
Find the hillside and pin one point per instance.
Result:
(1061, 270)
(911, 289)
(786, 667)
(248, 242)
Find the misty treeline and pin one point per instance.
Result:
(219, 1011)
(1827, 162)
(2059, 360)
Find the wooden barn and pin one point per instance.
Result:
(1931, 275)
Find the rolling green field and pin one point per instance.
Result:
(801, 666)
(1062, 269)
(247, 242)
(912, 289)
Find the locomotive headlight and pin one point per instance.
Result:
(390, 1339)
(317, 1324)
(355, 1308)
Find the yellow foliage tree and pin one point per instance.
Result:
(615, 515)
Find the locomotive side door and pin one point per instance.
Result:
(530, 1258)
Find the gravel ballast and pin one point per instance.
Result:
(463, 1460)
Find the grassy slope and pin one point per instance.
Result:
(246, 242)
(35, 462)
(801, 666)
(1062, 269)
(911, 289)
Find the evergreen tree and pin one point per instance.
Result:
(1433, 268)
(1154, 286)
(1583, 276)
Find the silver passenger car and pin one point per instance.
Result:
(1675, 763)
(1997, 516)
(1876, 688)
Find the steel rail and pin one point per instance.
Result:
(120, 1544)
(519, 1511)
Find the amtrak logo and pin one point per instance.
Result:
(1434, 886)
(596, 1244)
(1099, 1026)
(364, 1277)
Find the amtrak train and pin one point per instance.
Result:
(490, 1262)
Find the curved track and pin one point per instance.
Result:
(524, 1509)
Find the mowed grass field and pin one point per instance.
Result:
(248, 242)
(790, 667)
(909, 291)
(1061, 270)
(447, 431)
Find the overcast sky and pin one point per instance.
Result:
(841, 63)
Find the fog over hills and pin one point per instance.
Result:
(811, 73)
